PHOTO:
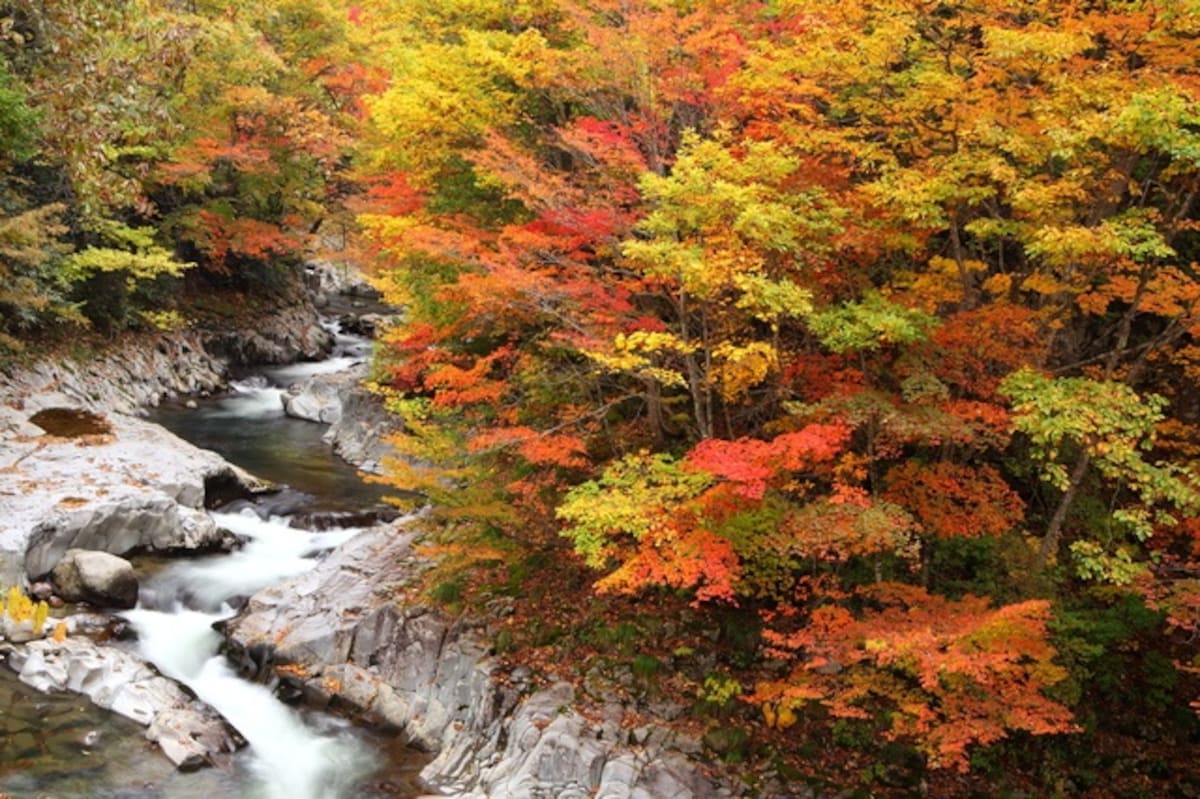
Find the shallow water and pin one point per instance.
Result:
(61, 746)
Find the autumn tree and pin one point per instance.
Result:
(779, 306)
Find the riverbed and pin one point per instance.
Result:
(59, 746)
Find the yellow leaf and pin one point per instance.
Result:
(998, 285)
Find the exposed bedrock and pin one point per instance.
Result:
(342, 638)
(189, 732)
(142, 370)
(96, 477)
(136, 488)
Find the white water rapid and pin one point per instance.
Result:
(291, 757)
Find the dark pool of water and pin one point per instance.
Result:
(274, 447)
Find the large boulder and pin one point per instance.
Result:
(96, 577)
(361, 433)
(319, 398)
(139, 487)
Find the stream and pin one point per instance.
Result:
(290, 753)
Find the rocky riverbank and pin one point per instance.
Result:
(341, 636)
(337, 636)
(147, 368)
(125, 484)
(80, 471)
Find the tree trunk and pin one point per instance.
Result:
(1049, 547)
(1054, 530)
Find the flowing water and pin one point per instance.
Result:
(248, 427)
(290, 757)
(58, 746)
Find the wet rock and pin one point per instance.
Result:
(143, 371)
(71, 422)
(94, 625)
(289, 335)
(225, 487)
(188, 737)
(188, 731)
(341, 520)
(96, 577)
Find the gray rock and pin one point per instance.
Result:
(414, 669)
(338, 277)
(96, 577)
(140, 373)
(188, 731)
(141, 487)
(291, 334)
(189, 736)
(319, 398)
(369, 325)
(359, 435)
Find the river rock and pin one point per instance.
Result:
(96, 577)
(188, 731)
(319, 397)
(139, 488)
(340, 628)
(332, 278)
(368, 325)
(360, 434)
